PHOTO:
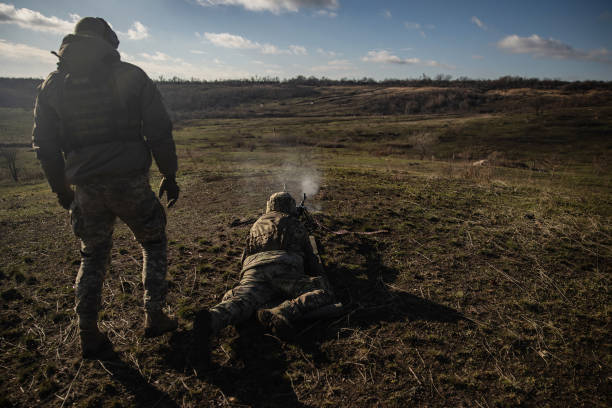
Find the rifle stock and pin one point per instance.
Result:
(315, 251)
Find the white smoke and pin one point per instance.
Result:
(310, 184)
(299, 178)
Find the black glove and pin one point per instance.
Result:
(66, 198)
(168, 185)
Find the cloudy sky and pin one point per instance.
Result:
(216, 39)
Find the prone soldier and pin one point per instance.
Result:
(278, 261)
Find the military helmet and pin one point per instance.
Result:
(281, 202)
(97, 27)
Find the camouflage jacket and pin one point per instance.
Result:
(142, 120)
(280, 238)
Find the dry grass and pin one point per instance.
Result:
(490, 288)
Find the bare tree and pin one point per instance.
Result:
(538, 104)
(422, 143)
(10, 155)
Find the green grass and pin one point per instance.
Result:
(16, 125)
(16, 134)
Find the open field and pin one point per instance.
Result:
(491, 287)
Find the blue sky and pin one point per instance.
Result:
(216, 39)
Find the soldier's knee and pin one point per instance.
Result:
(154, 245)
(152, 227)
(94, 254)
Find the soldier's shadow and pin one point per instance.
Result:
(254, 369)
(369, 297)
(369, 294)
(144, 393)
(248, 366)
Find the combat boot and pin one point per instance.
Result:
(275, 322)
(94, 345)
(325, 312)
(157, 323)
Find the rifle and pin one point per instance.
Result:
(305, 216)
(328, 311)
(310, 225)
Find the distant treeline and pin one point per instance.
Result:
(261, 96)
(502, 83)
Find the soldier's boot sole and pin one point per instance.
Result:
(96, 346)
(326, 312)
(157, 324)
(275, 322)
(202, 333)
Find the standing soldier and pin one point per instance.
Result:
(96, 122)
(278, 262)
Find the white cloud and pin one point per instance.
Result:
(22, 60)
(159, 56)
(386, 14)
(159, 64)
(382, 57)
(267, 65)
(198, 52)
(326, 13)
(542, 47)
(227, 40)
(274, 6)
(419, 27)
(437, 64)
(138, 31)
(298, 50)
(270, 49)
(23, 52)
(329, 54)
(269, 69)
(479, 23)
(334, 65)
(385, 57)
(34, 20)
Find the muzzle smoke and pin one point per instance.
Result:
(310, 184)
(299, 180)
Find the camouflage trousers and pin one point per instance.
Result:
(262, 284)
(93, 213)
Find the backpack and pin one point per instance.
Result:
(91, 110)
